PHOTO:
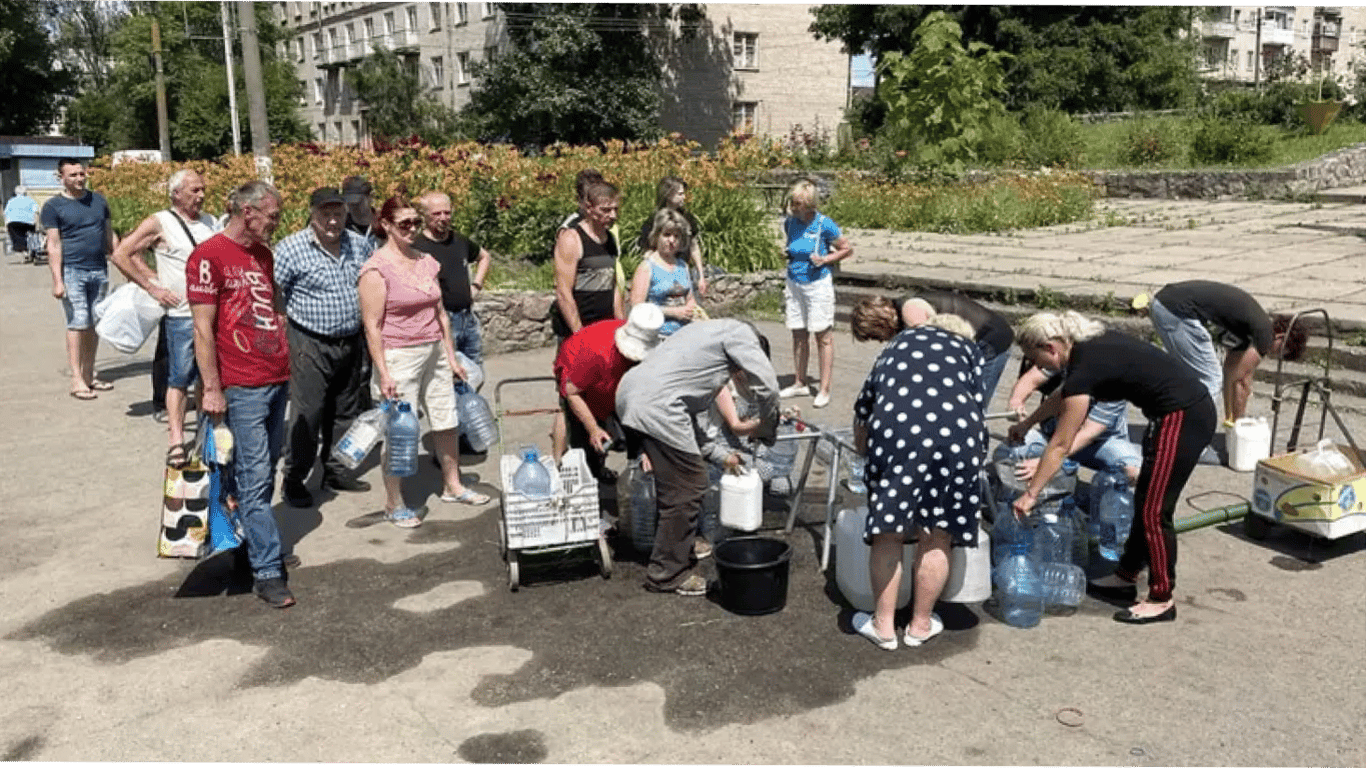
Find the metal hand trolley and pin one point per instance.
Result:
(568, 520)
(37, 247)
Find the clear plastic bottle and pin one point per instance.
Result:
(1007, 532)
(782, 455)
(709, 521)
(1063, 584)
(1116, 516)
(1076, 526)
(854, 463)
(1021, 590)
(476, 420)
(402, 435)
(361, 437)
(532, 479)
(641, 512)
(1053, 540)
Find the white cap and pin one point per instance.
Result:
(641, 332)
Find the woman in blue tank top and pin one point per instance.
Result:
(662, 277)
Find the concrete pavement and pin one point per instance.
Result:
(407, 646)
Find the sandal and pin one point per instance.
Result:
(83, 394)
(467, 496)
(177, 457)
(101, 386)
(403, 518)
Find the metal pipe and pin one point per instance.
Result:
(1211, 517)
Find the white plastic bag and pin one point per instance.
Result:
(1324, 462)
(127, 316)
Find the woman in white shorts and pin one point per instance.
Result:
(814, 242)
(409, 339)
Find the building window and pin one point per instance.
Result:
(1233, 58)
(299, 53)
(438, 72)
(490, 53)
(746, 50)
(340, 136)
(462, 13)
(317, 45)
(322, 131)
(742, 117)
(1250, 64)
(317, 90)
(436, 15)
(462, 68)
(332, 40)
(303, 93)
(350, 39)
(412, 17)
(370, 31)
(487, 9)
(355, 130)
(389, 30)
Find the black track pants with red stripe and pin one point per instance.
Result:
(1172, 446)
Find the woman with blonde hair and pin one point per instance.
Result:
(814, 242)
(1102, 364)
(662, 277)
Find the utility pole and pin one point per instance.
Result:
(163, 126)
(1257, 55)
(232, 79)
(256, 91)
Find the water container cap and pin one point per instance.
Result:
(530, 453)
(1021, 547)
(403, 406)
(1050, 517)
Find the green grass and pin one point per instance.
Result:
(1105, 142)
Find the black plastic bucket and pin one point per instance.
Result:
(752, 572)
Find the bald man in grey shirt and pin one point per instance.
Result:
(656, 403)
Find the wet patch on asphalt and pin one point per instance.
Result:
(513, 747)
(716, 668)
(23, 750)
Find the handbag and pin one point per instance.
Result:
(184, 508)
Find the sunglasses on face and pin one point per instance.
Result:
(407, 225)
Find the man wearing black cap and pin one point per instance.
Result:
(316, 270)
(360, 209)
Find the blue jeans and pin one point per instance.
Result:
(993, 365)
(181, 365)
(84, 288)
(1189, 341)
(256, 416)
(1111, 451)
(467, 338)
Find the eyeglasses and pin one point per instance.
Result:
(408, 224)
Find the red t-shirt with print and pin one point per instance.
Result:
(590, 359)
(253, 350)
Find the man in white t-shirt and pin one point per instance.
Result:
(172, 235)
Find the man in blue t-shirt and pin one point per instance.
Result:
(80, 237)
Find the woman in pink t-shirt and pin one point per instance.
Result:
(409, 338)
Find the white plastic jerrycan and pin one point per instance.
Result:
(742, 501)
(1249, 441)
(851, 562)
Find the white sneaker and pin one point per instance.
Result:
(822, 400)
(796, 390)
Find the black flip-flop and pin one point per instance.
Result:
(174, 463)
(1127, 616)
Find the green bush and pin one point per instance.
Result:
(1219, 141)
(1051, 139)
(1151, 142)
(737, 235)
(1002, 141)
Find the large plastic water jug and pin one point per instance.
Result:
(474, 375)
(1063, 584)
(1053, 540)
(778, 460)
(1076, 526)
(476, 420)
(642, 516)
(709, 519)
(1116, 515)
(402, 436)
(532, 479)
(742, 500)
(1249, 441)
(1020, 589)
(851, 562)
(1008, 531)
(969, 572)
(362, 435)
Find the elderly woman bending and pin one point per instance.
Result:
(919, 421)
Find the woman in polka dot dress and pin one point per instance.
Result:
(919, 419)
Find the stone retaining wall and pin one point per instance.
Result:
(514, 321)
(1343, 168)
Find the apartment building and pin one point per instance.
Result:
(748, 68)
(1239, 40)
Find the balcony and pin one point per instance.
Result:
(405, 40)
(1274, 35)
(1223, 30)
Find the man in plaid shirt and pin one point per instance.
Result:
(316, 270)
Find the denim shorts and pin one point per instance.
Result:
(84, 288)
(182, 369)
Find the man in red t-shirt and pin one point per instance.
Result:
(589, 367)
(243, 355)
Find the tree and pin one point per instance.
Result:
(122, 113)
(397, 104)
(33, 83)
(575, 72)
(1073, 58)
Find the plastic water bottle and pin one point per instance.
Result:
(1095, 526)
(1053, 540)
(1063, 584)
(1116, 515)
(782, 455)
(476, 420)
(1076, 526)
(709, 521)
(642, 514)
(361, 437)
(1007, 532)
(532, 479)
(403, 435)
(854, 464)
(1021, 590)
